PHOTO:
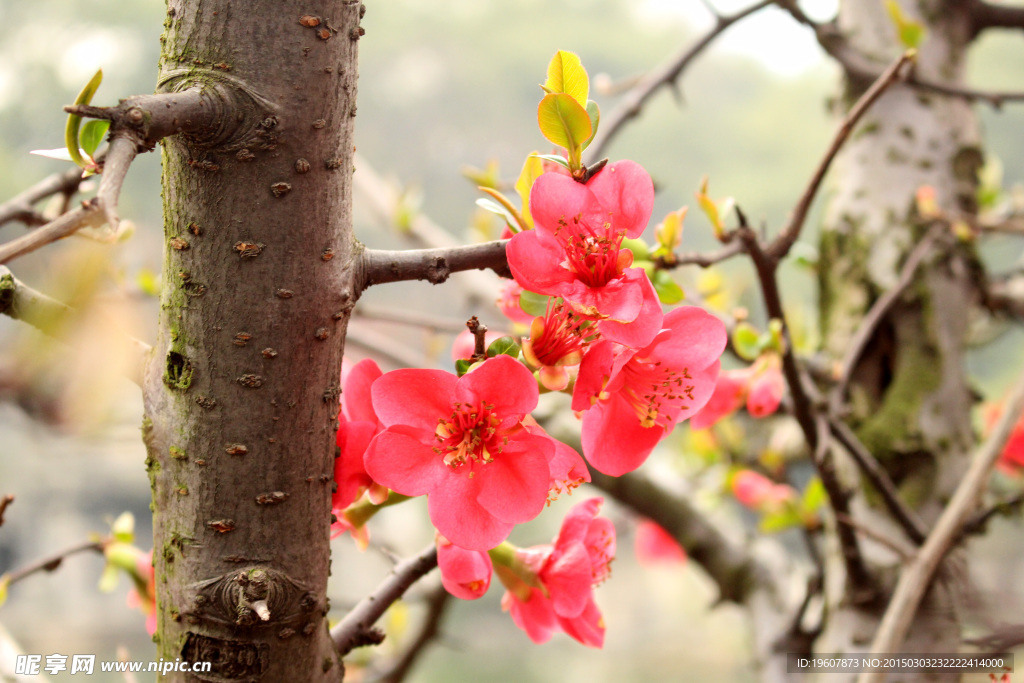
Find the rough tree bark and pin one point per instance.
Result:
(909, 396)
(241, 393)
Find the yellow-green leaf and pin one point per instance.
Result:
(75, 121)
(4, 582)
(567, 75)
(533, 168)
(910, 32)
(563, 121)
(594, 112)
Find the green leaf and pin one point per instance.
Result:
(123, 528)
(71, 138)
(503, 346)
(494, 207)
(774, 522)
(747, 341)
(814, 496)
(910, 32)
(567, 75)
(4, 583)
(641, 251)
(564, 122)
(669, 291)
(108, 579)
(92, 134)
(533, 303)
(555, 158)
(462, 367)
(594, 112)
(533, 168)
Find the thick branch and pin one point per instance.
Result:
(356, 628)
(667, 74)
(917, 577)
(88, 214)
(729, 565)
(50, 316)
(991, 15)
(432, 265)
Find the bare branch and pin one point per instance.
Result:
(702, 260)
(356, 629)
(728, 564)
(19, 207)
(46, 314)
(88, 214)
(634, 100)
(785, 240)
(432, 265)
(437, 602)
(879, 310)
(879, 478)
(51, 563)
(120, 155)
(991, 15)
(4, 504)
(867, 532)
(917, 576)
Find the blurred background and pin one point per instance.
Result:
(444, 85)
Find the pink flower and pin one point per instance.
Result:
(567, 572)
(575, 250)
(758, 492)
(465, 574)
(1011, 460)
(358, 424)
(462, 442)
(761, 386)
(557, 341)
(508, 302)
(566, 468)
(143, 595)
(634, 397)
(654, 545)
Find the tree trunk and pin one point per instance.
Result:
(241, 396)
(910, 399)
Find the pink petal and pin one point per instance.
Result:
(654, 545)
(535, 616)
(725, 400)
(556, 198)
(514, 487)
(349, 470)
(502, 382)
(765, 393)
(465, 574)
(536, 263)
(614, 441)
(455, 512)
(640, 330)
(402, 458)
(355, 399)
(567, 579)
(626, 191)
(622, 299)
(697, 340)
(587, 628)
(577, 521)
(414, 397)
(595, 371)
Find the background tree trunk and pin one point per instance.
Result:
(241, 397)
(911, 403)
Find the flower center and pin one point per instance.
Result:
(657, 393)
(560, 337)
(468, 434)
(593, 254)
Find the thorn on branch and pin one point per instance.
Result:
(479, 332)
(4, 503)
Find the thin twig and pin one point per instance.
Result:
(879, 310)
(916, 578)
(88, 214)
(906, 516)
(48, 315)
(903, 553)
(357, 626)
(433, 265)
(20, 206)
(52, 562)
(437, 601)
(978, 521)
(120, 155)
(666, 74)
(479, 332)
(785, 240)
(4, 504)
(702, 260)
